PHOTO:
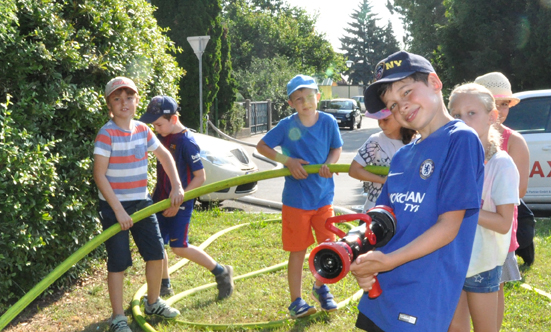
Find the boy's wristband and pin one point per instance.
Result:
(281, 158)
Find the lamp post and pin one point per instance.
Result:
(349, 64)
(199, 43)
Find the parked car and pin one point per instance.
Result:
(360, 100)
(346, 111)
(224, 160)
(532, 118)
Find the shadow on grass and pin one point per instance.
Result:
(300, 325)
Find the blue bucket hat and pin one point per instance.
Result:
(158, 106)
(395, 67)
(299, 82)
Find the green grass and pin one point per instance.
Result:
(86, 307)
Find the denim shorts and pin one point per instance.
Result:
(146, 235)
(484, 282)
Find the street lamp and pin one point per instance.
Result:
(199, 43)
(349, 64)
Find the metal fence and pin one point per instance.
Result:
(258, 116)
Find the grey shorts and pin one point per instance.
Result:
(510, 269)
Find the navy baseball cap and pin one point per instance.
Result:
(394, 68)
(299, 82)
(158, 106)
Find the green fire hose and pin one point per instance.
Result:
(15, 309)
(140, 318)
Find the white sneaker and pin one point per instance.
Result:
(119, 324)
(160, 308)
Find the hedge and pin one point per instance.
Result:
(55, 58)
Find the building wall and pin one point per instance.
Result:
(342, 91)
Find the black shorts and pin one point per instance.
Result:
(146, 234)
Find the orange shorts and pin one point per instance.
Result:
(297, 224)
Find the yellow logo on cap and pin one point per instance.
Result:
(391, 64)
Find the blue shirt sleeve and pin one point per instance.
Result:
(276, 135)
(464, 164)
(191, 154)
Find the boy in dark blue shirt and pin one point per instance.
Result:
(162, 112)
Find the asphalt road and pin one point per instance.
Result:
(348, 191)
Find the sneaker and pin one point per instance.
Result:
(299, 308)
(160, 308)
(225, 283)
(119, 324)
(165, 291)
(324, 298)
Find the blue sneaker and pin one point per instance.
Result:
(299, 308)
(324, 298)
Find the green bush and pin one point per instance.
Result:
(55, 58)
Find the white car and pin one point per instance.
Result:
(532, 118)
(224, 160)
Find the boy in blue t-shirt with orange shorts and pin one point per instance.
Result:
(434, 186)
(306, 137)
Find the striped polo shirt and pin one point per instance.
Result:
(127, 153)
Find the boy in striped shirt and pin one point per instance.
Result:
(120, 172)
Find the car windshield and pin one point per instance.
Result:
(341, 105)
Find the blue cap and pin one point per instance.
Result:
(394, 68)
(299, 82)
(159, 105)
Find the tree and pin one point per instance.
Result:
(55, 59)
(421, 19)
(267, 79)
(227, 87)
(480, 38)
(186, 18)
(366, 43)
(271, 43)
(265, 29)
(532, 45)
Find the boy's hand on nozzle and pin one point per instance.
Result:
(171, 211)
(369, 264)
(295, 167)
(124, 219)
(176, 196)
(365, 282)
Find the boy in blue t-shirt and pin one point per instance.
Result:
(306, 137)
(162, 112)
(434, 187)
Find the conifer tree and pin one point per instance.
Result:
(366, 43)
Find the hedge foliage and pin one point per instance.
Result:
(55, 58)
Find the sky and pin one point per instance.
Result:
(334, 16)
